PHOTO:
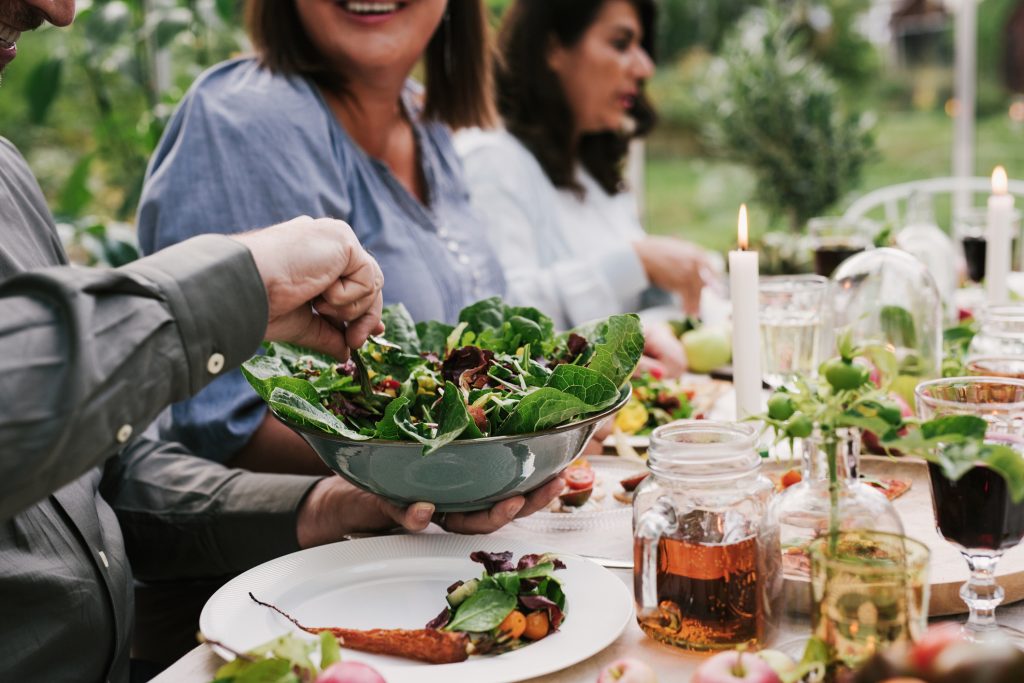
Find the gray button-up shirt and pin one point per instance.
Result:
(87, 359)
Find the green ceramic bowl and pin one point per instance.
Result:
(470, 474)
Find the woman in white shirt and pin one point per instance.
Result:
(549, 187)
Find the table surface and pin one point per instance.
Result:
(671, 665)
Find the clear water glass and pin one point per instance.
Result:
(792, 309)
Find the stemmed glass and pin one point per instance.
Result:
(976, 513)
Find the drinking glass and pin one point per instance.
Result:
(835, 239)
(870, 590)
(976, 513)
(1011, 367)
(969, 227)
(791, 310)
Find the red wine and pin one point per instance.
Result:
(974, 253)
(976, 512)
(827, 257)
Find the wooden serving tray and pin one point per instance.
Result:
(948, 570)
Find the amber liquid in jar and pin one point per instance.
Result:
(709, 595)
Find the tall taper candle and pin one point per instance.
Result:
(998, 240)
(746, 332)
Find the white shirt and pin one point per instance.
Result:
(573, 259)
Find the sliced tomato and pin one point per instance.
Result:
(389, 383)
(579, 478)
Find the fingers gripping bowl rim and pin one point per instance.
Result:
(465, 474)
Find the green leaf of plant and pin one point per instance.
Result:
(296, 408)
(483, 315)
(42, 87)
(969, 426)
(433, 336)
(1009, 463)
(482, 611)
(618, 345)
(266, 372)
(76, 195)
(586, 384)
(452, 417)
(898, 326)
(268, 671)
(543, 408)
(387, 428)
(329, 650)
(400, 329)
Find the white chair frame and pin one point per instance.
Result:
(892, 196)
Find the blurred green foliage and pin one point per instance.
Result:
(769, 106)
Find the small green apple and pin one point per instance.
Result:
(707, 348)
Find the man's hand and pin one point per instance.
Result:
(323, 288)
(335, 508)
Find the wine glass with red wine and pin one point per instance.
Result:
(976, 513)
(836, 239)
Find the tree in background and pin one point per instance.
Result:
(769, 106)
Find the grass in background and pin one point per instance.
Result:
(697, 199)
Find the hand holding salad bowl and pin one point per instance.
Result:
(459, 416)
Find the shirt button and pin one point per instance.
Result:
(453, 246)
(442, 232)
(124, 433)
(464, 259)
(215, 364)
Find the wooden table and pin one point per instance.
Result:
(671, 665)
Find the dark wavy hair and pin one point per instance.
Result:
(533, 104)
(457, 61)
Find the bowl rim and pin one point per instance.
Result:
(625, 392)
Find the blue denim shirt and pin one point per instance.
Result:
(246, 149)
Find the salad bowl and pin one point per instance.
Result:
(463, 475)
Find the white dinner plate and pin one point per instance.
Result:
(400, 582)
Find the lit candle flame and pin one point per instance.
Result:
(999, 181)
(741, 231)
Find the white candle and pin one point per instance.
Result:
(998, 240)
(746, 333)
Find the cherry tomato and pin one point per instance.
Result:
(514, 624)
(656, 372)
(799, 426)
(389, 383)
(781, 407)
(844, 375)
(537, 625)
(791, 477)
(579, 478)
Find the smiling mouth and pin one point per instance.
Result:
(8, 37)
(371, 8)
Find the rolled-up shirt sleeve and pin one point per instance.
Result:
(89, 357)
(186, 517)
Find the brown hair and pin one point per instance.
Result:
(533, 104)
(459, 86)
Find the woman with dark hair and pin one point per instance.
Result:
(570, 87)
(324, 121)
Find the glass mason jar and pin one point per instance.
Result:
(887, 297)
(706, 566)
(1001, 333)
(802, 512)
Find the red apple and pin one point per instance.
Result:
(732, 666)
(350, 672)
(934, 641)
(627, 671)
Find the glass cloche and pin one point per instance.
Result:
(887, 296)
(1001, 333)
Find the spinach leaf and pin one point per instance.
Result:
(543, 408)
(399, 328)
(618, 345)
(586, 384)
(433, 336)
(482, 611)
(387, 428)
(452, 417)
(300, 410)
(484, 315)
(266, 372)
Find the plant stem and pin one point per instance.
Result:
(831, 447)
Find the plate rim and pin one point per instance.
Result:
(441, 546)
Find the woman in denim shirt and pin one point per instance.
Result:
(324, 122)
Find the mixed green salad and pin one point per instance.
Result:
(501, 370)
(509, 606)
